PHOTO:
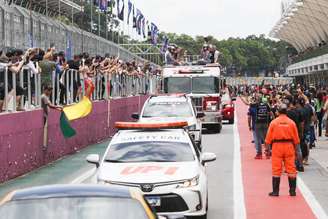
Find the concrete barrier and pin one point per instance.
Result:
(21, 135)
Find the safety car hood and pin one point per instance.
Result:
(148, 172)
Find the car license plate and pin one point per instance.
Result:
(154, 201)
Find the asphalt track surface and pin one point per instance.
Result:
(238, 184)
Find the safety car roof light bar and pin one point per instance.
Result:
(150, 125)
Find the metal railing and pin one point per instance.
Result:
(29, 85)
(234, 81)
(69, 87)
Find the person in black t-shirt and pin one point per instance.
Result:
(307, 113)
(296, 116)
(75, 64)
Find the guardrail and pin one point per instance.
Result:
(69, 87)
(234, 81)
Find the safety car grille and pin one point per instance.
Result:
(170, 203)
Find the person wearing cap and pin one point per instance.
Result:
(283, 137)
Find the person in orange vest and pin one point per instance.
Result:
(283, 137)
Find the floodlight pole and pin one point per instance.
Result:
(91, 8)
(46, 8)
(59, 7)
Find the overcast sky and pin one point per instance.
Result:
(220, 18)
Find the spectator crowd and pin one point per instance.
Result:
(75, 75)
(307, 107)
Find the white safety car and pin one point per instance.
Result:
(162, 161)
(173, 107)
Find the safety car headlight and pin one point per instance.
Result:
(189, 183)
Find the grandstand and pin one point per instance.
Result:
(303, 24)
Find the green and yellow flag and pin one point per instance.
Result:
(74, 112)
(66, 127)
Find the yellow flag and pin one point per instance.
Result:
(79, 110)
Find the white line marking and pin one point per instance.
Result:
(83, 176)
(238, 188)
(311, 200)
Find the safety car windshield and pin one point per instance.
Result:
(150, 151)
(163, 109)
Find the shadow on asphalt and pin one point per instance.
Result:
(212, 132)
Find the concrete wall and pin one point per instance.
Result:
(21, 135)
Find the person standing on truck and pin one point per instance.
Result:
(169, 59)
(283, 137)
(262, 120)
(213, 54)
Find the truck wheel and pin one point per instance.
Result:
(232, 121)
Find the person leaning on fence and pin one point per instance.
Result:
(87, 73)
(61, 66)
(75, 65)
(105, 68)
(15, 65)
(47, 65)
(3, 64)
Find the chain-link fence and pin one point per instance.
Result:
(23, 91)
(15, 22)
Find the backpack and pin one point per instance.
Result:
(262, 113)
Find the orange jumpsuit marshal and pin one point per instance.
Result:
(283, 138)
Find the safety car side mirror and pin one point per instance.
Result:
(208, 157)
(135, 115)
(94, 159)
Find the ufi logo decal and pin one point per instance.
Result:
(148, 169)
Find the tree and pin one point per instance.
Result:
(250, 55)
